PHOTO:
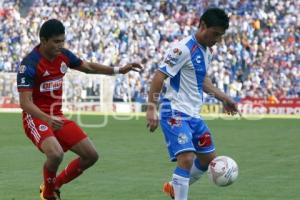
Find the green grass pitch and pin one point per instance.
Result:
(134, 164)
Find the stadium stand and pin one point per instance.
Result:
(259, 57)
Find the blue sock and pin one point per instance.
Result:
(196, 171)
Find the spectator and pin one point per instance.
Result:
(260, 52)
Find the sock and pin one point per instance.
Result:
(72, 171)
(49, 181)
(196, 171)
(180, 182)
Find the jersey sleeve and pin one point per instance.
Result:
(74, 61)
(25, 77)
(175, 59)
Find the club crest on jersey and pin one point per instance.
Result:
(22, 69)
(43, 127)
(51, 85)
(177, 51)
(63, 68)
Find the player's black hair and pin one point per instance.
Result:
(215, 17)
(51, 28)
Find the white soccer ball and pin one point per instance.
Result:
(223, 171)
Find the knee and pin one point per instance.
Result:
(91, 159)
(185, 160)
(94, 157)
(187, 163)
(55, 156)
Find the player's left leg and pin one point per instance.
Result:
(87, 157)
(72, 137)
(205, 149)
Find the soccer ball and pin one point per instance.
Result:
(223, 171)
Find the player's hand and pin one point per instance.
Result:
(55, 122)
(152, 119)
(230, 107)
(131, 67)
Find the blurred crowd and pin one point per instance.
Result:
(258, 57)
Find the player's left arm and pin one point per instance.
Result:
(95, 68)
(229, 104)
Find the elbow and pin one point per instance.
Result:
(22, 105)
(159, 77)
(86, 71)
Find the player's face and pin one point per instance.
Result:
(54, 45)
(213, 35)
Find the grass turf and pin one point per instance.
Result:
(134, 164)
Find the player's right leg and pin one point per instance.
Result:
(42, 136)
(199, 167)
(181, 175)
(54, 154)
(178, 136)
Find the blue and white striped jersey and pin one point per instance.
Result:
(186, 64)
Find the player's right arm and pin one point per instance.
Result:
(25, 84)
(29, 107)
(175, 58)
(155, 88)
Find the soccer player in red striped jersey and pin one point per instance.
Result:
(39, 80)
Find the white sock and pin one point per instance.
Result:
(180, 182)
(195, 172)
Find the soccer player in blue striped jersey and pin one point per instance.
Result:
(184, 72)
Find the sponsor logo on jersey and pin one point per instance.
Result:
(22, 69)
(205, 140)
(51, 85)
(171, 60)
(198, 59)
(43, 127)
(63, 68)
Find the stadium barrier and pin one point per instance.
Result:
(260, 109)
(282, 106)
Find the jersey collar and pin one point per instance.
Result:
(199, 45)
